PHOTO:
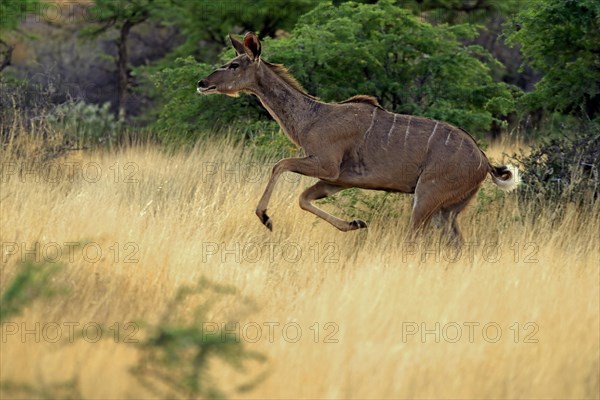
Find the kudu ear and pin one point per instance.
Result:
(252, 45)
(237, 45)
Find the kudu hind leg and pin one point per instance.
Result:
(424, 208)
(450, 229)
(449, 213)
(427, 202)
(321, 190)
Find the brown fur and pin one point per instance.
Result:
(285, 75)
(356, 143)
(361, 98)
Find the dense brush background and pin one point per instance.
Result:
(132, 218)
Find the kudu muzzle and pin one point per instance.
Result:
(204, 85)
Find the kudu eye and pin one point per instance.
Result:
(234, 65)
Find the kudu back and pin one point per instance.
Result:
(356, 143)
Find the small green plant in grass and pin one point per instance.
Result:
(178, 350)
(488, 196)
(177, 353)
(32, 282)
(367, 205)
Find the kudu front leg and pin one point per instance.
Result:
(308, 166)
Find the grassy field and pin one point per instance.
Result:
(362, 314)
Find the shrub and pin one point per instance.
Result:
(563, 169)
(85, 124)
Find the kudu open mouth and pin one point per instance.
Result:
(204, 89)
(207, 90)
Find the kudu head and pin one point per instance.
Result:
(238, 74)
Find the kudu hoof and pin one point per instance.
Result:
(358, 224)
(265, 219)
(269, 224)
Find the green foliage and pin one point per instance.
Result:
(109, 13)
(85, 124)
(186, 115)
(180, 115)
(336, 52)
(210, 22)
(410, 66)
(486, 198)
(562, 170)
(32, 282)
(561, 39)
(12, 12)
(176, 354)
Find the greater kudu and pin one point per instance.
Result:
(356, 143)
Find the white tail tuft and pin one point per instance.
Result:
(510, 183)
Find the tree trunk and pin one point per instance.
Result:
(6, 55)
(495, 131)
(123, 86)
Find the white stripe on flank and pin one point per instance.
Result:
(448, 138)
(460, 145)
(432, 133)
(391, 129)
(370, 126)
(407, 127)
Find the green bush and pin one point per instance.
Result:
(383, 50)
(561, 39)
(336, 52)
(186, 116)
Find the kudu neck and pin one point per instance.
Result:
(292, 109)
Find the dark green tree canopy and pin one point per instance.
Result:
(561, 39)
(206, 24)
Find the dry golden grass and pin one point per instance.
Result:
(185, 215)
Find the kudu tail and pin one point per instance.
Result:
(505, 176)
